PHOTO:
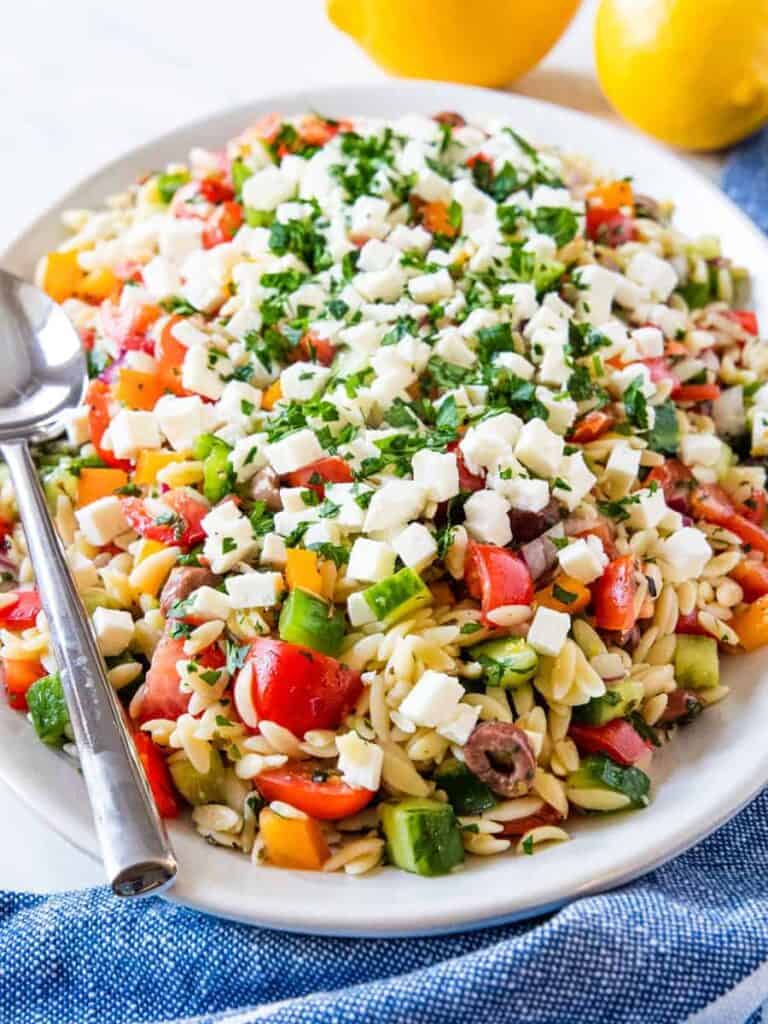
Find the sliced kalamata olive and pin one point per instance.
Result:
(540, 555)
(265, 486)
(682, 707)
(182, 582)
(500, 754)
(627, 639)
(647, 207)
(449, 117)
(529, 525)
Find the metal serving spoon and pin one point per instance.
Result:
(42, 374)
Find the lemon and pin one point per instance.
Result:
(693, 73)
(483, 42)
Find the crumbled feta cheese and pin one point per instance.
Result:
(685, 553)
(394, 503)
(131, 432)
(578, 479)
(623, 465)
(254, 589)
(584, 559)
(207, 603)
(114, 630)
(487, 517)
(293, 451)
(434, 700)
(102, 520)
(229, 537)
(273, 550)
(415, 546)
(655, 274)
(648, 508)
(700, 449)
(539, 448)
(549, 631)
(437, 472)
(360, 762)
(597, 288)
(268, 188)
(302, 381)
(370, 561)
(431, 288)
(203, 371)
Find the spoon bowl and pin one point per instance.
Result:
(43, 375)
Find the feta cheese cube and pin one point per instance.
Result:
(434, 700)
(203, 371)
(181, 420)
(360, 762)
(539, 448)
(760, 432)
(409, 239)
(686, 553)
(78, 424)
(188, 334)
(416, 546)
(622, 379)
(655, 274)
(370, 561)
(452, 347)
(700, 449)
(293, 451)
(554, 368)
(369, 217)
(522, 493)
(358, 610)
(578, 478)
(177, 238)
(229, 537)
(161, 278)
(247, 457)
(207, 603)
(561, 411)
(489, 440)
(597, 288)
(322, 532)
(649, 342)
(302, 381)
(525, 304)
(254, 589)
(114, 630)
(437, 472)
(518, 365)
(376, 255)
(273, 550)
(102, 520)
(549, 631)
(459, 728)
(583, 559)
(363, 337)
(487, 517)
(623, 465)
(238, 404)
(381, 285)
(394, 503)
(648, 510)
(431, 288)
(132, 431)
(268, 188)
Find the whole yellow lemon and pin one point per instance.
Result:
(693, 73)
(483, 42)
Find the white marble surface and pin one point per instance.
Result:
(83, 81)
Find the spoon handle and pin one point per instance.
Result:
(135, 849)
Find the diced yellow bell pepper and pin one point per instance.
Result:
(146, 547)
(293, 842)
(150, 462)
(272, 396)
(138, 390)
(301, 570)
(61, 275)
(97, 285)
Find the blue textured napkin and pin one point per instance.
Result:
(688, 941)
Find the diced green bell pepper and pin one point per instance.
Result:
(169, 184)
(218, 477)
(312, 622)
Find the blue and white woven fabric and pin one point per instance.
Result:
(688, 942)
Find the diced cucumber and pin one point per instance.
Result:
(617, 702)
(509, 662)
(422, 836)
(97, 597)
(48, 709)
(599, 772)
(724, 463)
(218, 476)
(198, 787)
(312, 622)
(396, 596)
(466, 792)
(697, 666)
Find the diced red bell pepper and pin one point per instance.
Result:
(676, 481)
(591, 426)
(18, 675)
(23, 612)
(696, 393)
(603, 530)
(710, 503)
(182, 524)
(618, 739)
(689, 624)
(609, 227)
(746, 319)
(546, 816)
(298, 688)
(158, 776)
(317, 349)
(496, 577)
(223, 224)
(170, 357)
(754, 508)
(613, 595)
(216, 191)
(331, 469)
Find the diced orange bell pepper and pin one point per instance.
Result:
(301, 570)
(19, 674)
(751, 625)
(98, 285)
(150, 462)
(94, 483)
(612, 195)
(272, 396)
(138, 390)
(61, 275)
(565, 594)
(436, 218)
(293, 842)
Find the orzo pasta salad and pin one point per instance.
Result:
(418, 489)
